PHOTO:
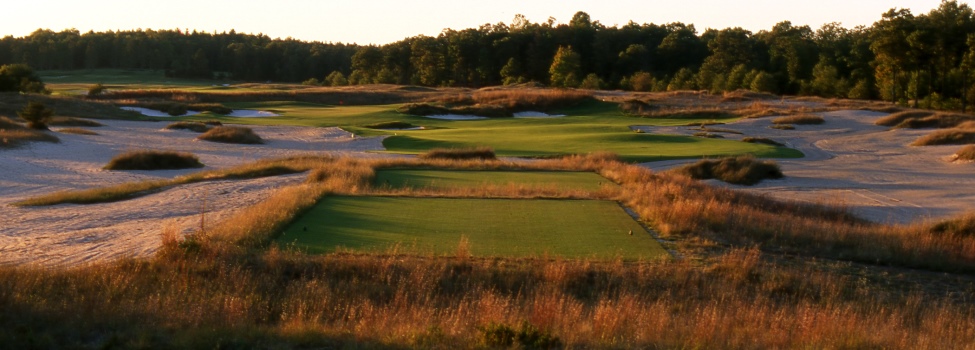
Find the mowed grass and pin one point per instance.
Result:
(482, 227)
(563, 180)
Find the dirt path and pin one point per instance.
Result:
(70, 234)
(853, 163)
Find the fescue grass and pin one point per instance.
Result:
(966, 153)
(708, 135)
(444, 179)
(782, 126)
(528, 99)
(189, 125)
(482, 153)
(70, 121)
(963, 134)
(938, 120)
(763, 140)
(14, 134)
(76, 131)
(899, 117)
(736, 170)
(801, 119)
(486, 228)
(231, 134)
(153, 160)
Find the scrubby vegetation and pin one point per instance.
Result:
(801, 119)
(153, 160)
(482, 153)
(13, 134)
(77, 131)
(963, 134)
(36, 114)
(735, 170)
(765, 140)
(189, 125)
(232, 134)
(70, 121)
(966, 153)
(916, 119)
(782, 126)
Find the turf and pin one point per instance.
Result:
(570, 180)
(491, 227)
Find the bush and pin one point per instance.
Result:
(764, 140)
(231, 134)
(743, 170)
(36, 114)
(153, 160)
(963, 226)
(966, 153)
(96, 90)
(13, 134)
(636, 107)
(192, 126)
(801, 119)
(482, 153)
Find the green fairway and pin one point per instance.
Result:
(562, 180)
(492, 227)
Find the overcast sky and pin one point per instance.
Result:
(385, 21)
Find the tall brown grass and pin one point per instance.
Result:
(14, 134)
(231, 134)
(482, 153)
(744, 170)
(964, 133)
(153, 160)
(966, 153)
(801, 119)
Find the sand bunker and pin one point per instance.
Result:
(249, 113)
(154, 113)
(456, 117)
(533, 114)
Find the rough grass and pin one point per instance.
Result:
(764, 140)
(938, 120)
(76, 131)
(231, 134)
(782, 126)
(189, 125)
(14, 134)
(735, 170)
(966, 153)
(899, 117)
(153, 160)
(482, 153)
(963, 134)
(71, 121)
(801, 119)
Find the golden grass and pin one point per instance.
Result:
(744, 170)
(754, 273)
(800, 119)
(231, 134)
(14, 134)
(71, 121)
(966, 153)
(899, 117)
(76, 131)
(153, 160)
(964, 133)
(482, 153)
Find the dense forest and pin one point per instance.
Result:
(924, 59)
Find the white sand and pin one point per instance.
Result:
(867, 168)
(71, 234)
(455, 117)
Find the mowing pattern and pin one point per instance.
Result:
(490, 227)
(574, 180)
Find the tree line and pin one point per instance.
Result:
(926, 59)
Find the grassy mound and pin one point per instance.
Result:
(13, 134)
(422, 109)
(153, 160)
(481, 110)
(76, 131)
(963, 134)
(782, 127)
(231, 134)
(801, 119)
(390, 125)
(743, 170)
(900, 117)
(191, 126)
(70, 121)
(938, 120)
(966, 153)
(482, 153)
(763, 140)
(963, 226)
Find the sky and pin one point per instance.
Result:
(386, 21)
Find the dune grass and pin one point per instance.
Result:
(801, 119)
(917, 119)
(76, 131)
(485, 227)
(963, 134)
(736, 170)
(14, 134)
(189, 125)
(782, 126)
(231, 134)
(418, 178)
(153, 160)
(762, 140)
(71, 121)
(966, 153)
(482, 153)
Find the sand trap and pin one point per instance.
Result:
(249, 113)
(154, 113)
(456, 117)
(853, 163)
(71, 234)
(533, 114)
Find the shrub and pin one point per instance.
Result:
(764, 140)
(966, 153)
(186, 125)
(801, 119)
(36, 114)
(636, 107)
(153, 160)
(743, 170)
(77, 131)
(69, 121)
(96, 90)
(231, 134)
(390, 125)
(482, 153)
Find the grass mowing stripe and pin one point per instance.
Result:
(493, 227)
(569, 180)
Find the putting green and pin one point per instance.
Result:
(562, 180)
(492, 227)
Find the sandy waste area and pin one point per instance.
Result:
(849, 161)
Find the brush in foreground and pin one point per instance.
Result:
(231, 134)
(802, 119)
(153, 160)
(482, 153)
(743, 170)
(966, 153)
